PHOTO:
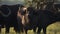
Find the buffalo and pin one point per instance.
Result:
(8, 17)
(32, 20)
(41, 19)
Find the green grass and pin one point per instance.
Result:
(50, 29)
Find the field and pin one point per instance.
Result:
(51, 29)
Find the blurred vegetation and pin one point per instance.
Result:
(37, 3)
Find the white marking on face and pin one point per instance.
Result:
(24, 8)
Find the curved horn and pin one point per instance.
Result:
(7, 14)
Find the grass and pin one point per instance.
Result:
(51, 29)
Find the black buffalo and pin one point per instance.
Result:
(46, 18)
(41, 19)
(8, 16)
(33, 19)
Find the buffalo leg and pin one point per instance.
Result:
(0, 30)
(39, 30)
(17, 29)
(34, 30)
(26, 31)
(7, 29)
(44, 30)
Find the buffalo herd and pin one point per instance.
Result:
(37, 18)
